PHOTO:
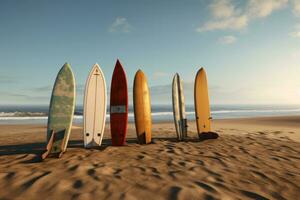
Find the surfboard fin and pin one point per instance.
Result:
(50, 143)
(49, 146)
(59, 155)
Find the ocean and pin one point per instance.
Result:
(38, 114)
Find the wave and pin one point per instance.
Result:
(17, 115)
(23, 118)
(22, 114)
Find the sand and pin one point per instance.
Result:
(255, 158)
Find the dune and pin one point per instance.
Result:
(255, 158)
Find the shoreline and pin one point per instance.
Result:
(217, 119)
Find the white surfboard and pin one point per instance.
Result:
(94, 114)
(179, 108)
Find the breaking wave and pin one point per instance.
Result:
(166, 113)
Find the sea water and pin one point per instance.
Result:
(38, 114)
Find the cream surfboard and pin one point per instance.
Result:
(94, 114)
(179, 108)
(142, 108)
(202, 107)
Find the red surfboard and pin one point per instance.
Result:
(118, 106)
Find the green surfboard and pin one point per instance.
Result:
(61, 110)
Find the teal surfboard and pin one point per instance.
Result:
(61, 109)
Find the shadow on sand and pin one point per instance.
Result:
(39, 148)
(33, 148)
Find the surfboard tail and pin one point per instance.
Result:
(53, 148)
(184, 128)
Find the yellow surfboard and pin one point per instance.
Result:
(202, 103)
(202, 108)
(142, 108)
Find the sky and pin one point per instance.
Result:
(250, 49)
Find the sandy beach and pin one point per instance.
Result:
(257, 158)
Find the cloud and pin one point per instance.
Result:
(226, 16)
(5, 79)
(296, 32)
(259, 8)
(222, 8)
(120, 25)
(295, 55)
(229, 23)
(24, 97)
(42, 89)
(228, 39)
(296, 7)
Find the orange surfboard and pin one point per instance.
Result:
(202, 107)
(142, 108)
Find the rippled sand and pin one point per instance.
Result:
(252, 159)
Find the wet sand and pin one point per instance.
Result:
(257, 158)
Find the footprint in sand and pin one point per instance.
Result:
(77, 184)
(277, 132)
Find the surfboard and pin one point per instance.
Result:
(94, 114)
(179, 107)
(202, 107)
(118, 106)
(142, 108)
(61, 111)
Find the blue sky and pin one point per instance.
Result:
(250, 49)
